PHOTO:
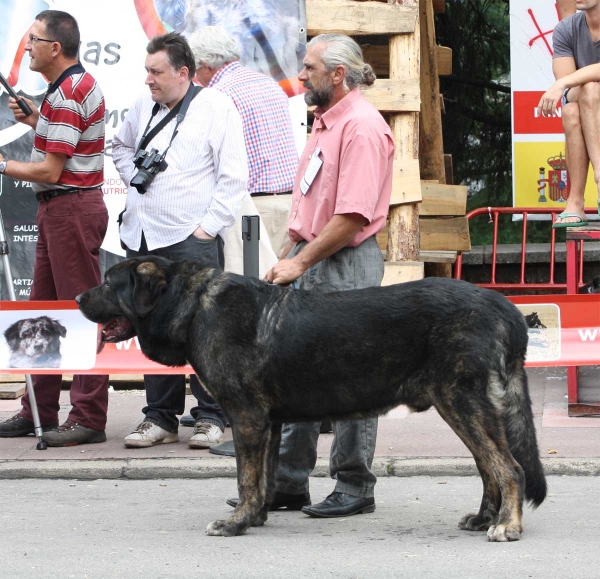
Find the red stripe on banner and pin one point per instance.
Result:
(578, 318)
(528, 120)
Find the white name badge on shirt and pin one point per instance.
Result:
(311, 171)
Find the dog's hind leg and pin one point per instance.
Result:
(490, 503)
(252, 442)
(479, 425)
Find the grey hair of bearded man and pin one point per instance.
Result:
(213, 46)
(343, 50)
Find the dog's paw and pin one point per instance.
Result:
(477, 521)
(260, 519)
(224, 529)
(504, 533)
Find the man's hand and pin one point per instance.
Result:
(30, 120)
(549, 102)
(285, 271)
(201, 234)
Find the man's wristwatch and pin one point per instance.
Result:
(3, 167)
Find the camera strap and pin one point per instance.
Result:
(179, 111)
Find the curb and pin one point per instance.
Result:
(224, 467)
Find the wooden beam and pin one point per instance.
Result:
(353, 18)
(403, 240)
(445, 234)
(438, 256)
(449, 169)
(439, 6)
(406, 185)
(378, 56)
(431, 146)
(12, 390)
(443, 56)
(440, 199)
(394, 95)
(402, 271)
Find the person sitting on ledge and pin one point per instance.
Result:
(574, 41)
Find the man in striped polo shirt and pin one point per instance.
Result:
(66, 171)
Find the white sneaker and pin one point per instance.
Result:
(149, 434)
(205, 435)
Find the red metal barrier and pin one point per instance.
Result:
(494, 213)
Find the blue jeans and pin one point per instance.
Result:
(165, 394)
(353, 446)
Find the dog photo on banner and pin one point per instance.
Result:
(33, 340)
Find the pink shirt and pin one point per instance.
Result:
(357, 150)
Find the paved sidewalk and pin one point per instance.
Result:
(408, 444)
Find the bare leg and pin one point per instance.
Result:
(589, 107)
(577, 156)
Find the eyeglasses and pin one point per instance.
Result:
(33, 39)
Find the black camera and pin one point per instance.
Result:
(149, 165)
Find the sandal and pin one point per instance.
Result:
(566, 215)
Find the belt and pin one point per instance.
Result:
(47, 195)
(265, 193)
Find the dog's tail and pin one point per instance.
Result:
(520, 432)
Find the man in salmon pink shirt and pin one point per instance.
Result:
(339, 202)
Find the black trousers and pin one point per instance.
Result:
(165, 394)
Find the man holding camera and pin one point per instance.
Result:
(186, 180)
(66, 172)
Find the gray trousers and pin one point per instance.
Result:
(354, 441)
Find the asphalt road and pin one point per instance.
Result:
(155, 529)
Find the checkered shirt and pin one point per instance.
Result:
(263, 106)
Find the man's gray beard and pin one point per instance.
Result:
(319, 97)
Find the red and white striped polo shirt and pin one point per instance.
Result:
(72, 122)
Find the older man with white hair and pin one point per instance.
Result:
(268, 133)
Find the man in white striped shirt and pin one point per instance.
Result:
(184, 210)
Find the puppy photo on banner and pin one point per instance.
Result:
(33, 340)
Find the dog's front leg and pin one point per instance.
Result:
(252, 443)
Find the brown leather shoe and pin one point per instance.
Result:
(72, 433)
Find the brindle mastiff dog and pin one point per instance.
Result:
(270, 354)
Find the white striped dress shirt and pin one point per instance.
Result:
(206, 178)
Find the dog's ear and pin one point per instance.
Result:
(149, 284)
(59, 328)
(12, 333)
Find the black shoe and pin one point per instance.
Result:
(19, 426)
(226, 448)
(188, 420)
(340, 505)
(282, 501)
(72, 433)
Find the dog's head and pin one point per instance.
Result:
(34, 337)
(591, 288)
(152, 298)
(131, 290)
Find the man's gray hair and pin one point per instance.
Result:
(213, 46)
(341, 49)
